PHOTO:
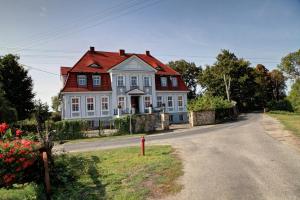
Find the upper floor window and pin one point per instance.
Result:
(81, 80)
(174, 81)
(163, 81)
(134, 81)
(96, 80)
(120, 81)
(147, 81)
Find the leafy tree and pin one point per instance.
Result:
(17, 85)
(294, 96)
(7, 112)
(41, 114)
(55, 103)
(231, 78)
(189, 73)
(263, 91)
(290, 64)
(278, 84)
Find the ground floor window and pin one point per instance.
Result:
(75, 106)
(159, 101)
(147, 103)
(121, 102)
(90, 106)
(104, 106)
(170, 104)
(180, 117)
(180, 103)
(171, 118)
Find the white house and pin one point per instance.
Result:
(100, 82)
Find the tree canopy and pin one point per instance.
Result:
(294, 95)
(17, 85)
(189, 73)
(290, 64)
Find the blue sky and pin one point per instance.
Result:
(49, 34)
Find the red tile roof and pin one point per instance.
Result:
(106, 61)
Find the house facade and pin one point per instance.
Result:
(102, 85)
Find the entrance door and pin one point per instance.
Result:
(135, 103)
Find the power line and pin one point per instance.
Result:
(37, 69)
(63, 34)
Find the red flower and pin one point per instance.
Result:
(8, 178)
(1, 156)
(18, 132)
(3, 127)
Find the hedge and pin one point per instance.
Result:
(70, 129)
(207, 102)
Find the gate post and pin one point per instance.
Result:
(164, 121)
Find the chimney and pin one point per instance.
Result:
(92, 49)
(148, 53)
(122, 52)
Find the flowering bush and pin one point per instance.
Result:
(17, 156)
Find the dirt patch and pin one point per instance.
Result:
(277, 130)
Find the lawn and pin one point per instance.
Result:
(111, 174)
(291, 121)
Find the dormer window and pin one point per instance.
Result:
(163, 81)
(81, 80)
(94, 65)
(96, 80)
(174, 81)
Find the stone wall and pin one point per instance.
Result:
(202, 118)
(144, 123)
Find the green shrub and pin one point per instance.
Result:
(207, 102)
(70, 129)
(122, 124)
(284, 105)
(27, 125)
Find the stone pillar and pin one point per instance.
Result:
(164, 121)
(192, 118)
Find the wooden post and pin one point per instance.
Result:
(47, 177)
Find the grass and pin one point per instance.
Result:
(291, 121)
(104, 138)
(112, 174)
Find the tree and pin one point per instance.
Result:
(290, 64)
(55, 103)
(278, 84)
(7, 112)
(189, 73)
(294, 96)
(41, 114)
(17, 85)
(231, 78)
(263, 91)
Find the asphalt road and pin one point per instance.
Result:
(227, 161)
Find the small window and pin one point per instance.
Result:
(81, 80)
(120, 81)
(171, 118)
(96, 80)
(163, 81)
(180, 103)
(94, 65)
(134, 81)
(147, 81)
(174, 81)
(159, 101)
(121, 102)
(170, 103)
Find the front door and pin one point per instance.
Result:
(135, 103)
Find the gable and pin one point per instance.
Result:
(133, 63)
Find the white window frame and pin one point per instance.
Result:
(174, 81)
(122, 96)
(102, 110)
(170, 108)
(149, 78)
(162, 101)
(137, 81)
(165, 81)
(123, 80)
(87, 107)
(150, 102)
(81, 78)
(78, 111)
(94, 77)
(180, 108)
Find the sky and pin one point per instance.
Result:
(50, 34)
